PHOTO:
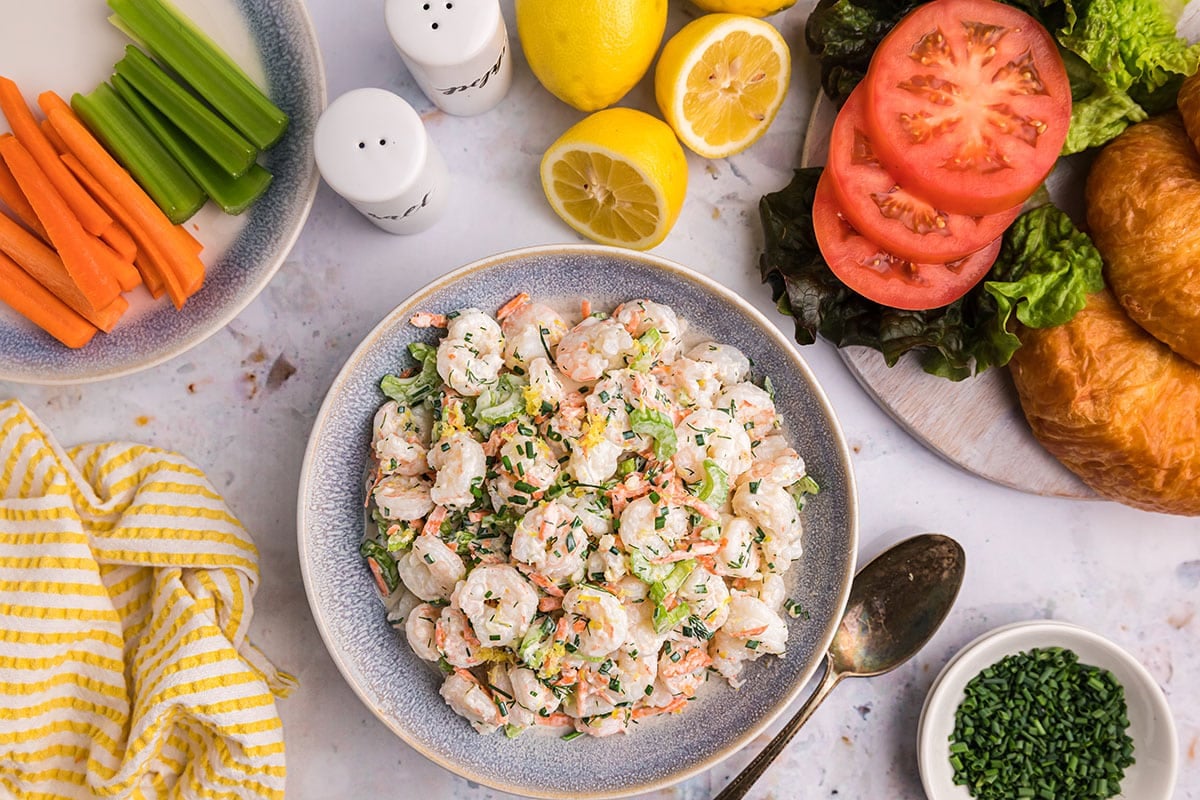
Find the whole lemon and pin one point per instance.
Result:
(751, 8)
(590, 53)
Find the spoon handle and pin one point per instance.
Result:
(740, 785)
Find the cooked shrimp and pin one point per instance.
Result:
(616, 396)
(694, 383)
(770, 507)
(709, 434)
(770, 589)
(730, 364)
(595, 463)
(774, 458)
(707, 596)
(652, 528)
(500, 686)
(403, 497)
(401, 439)
(593, 347)
(550, 539)
(460, 465)
(737, 556)
(470, 357)
(545, 388)
(454, 639)
(616, 721)
(531, 693)
(430, 569)
(639, 316)
(420, 629)
(682, 670)
(751, 407)
(499, 602)
(525, 468)
(532, 330)
(597, 620)
(606, 561)
(751, 630)
(463, 693)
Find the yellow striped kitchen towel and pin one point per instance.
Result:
(125, 599)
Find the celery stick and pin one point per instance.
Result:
(233, 195)
(183, 47)
(124, 135)
(228, 148)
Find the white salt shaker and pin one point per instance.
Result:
(372, 148)
(457, 50)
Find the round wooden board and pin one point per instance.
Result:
(977, 423)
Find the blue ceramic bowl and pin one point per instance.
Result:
(403, 691)
(241, 254)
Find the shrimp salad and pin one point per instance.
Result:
(581, 523)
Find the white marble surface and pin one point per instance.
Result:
(241, 405)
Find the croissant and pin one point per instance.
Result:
(1143, 212)
(1116, 406)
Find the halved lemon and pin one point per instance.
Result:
(720, 82)
(618, 177)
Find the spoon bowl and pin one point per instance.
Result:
(897, 602)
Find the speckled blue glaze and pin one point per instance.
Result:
(284, 35)
(402, 690)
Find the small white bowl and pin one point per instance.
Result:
(1151, 777)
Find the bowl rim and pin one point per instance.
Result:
(1016, 637)
(397, 316)
(220, 321)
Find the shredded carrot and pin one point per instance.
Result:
(183, 271)
(434, 522)
(585, 308)
(512, 305)
(557, 719)
(549, 603)
(66, 234)
(378, 573)
(35, 302)
(43, 265)
(675, 705)
(90, 215)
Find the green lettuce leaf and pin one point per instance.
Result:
(412, 390)
(1045, 270)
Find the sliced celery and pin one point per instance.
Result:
(233, 195)
(227, 148)
(124, 135)
(183, 47)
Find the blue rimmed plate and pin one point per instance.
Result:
(403, 691)
(67, 46)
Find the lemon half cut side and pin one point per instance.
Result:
(618, 177)
(720, 82)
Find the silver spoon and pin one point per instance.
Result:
(896, 603)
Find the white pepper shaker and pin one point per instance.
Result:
(372, 148)
(457, 50)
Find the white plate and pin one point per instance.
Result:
(68, 46)
(1151, 777)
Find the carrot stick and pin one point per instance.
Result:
(149, 261)
(66, 234)
(43, 265)
(25, 128)
(120, 241)
(151, 274)
(110, 261)
(14, 198)
(52, 136)
(150, 228)
(35, 302)
(197, 246)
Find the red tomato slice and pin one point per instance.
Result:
(968, 104)
(883, 277)
(886, 213)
